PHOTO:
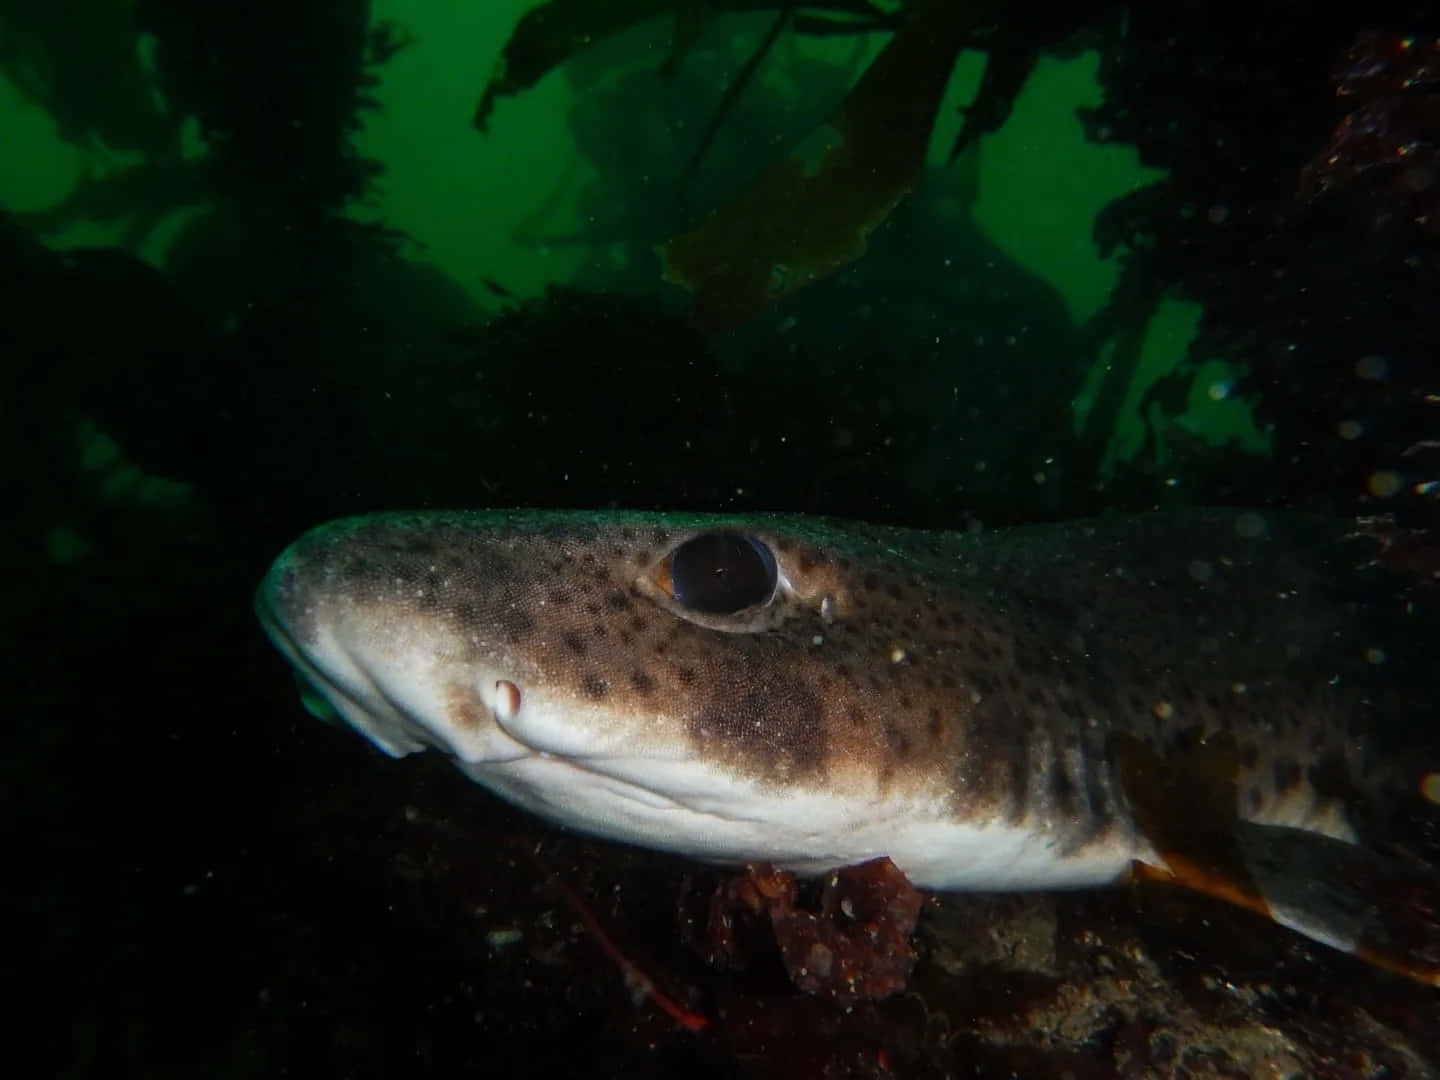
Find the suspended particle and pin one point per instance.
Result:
(1250, 525)
(1383, 483)
(1373, 367)
(1430, 788)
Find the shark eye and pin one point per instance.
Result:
(719, 573)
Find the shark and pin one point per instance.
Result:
(1197, 696)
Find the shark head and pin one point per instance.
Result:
(729, 689)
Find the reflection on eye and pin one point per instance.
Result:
(719, 573)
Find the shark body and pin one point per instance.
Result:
(991, 711)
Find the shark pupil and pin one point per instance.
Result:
(721, 573)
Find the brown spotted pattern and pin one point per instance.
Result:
(994, 669)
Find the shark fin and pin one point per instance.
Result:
(1381, 909)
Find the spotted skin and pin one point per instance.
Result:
(950, 698)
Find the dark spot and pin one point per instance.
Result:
(516, 624)
(1249, 755)
(686, 675)
(996, 762)
(1062, 789)
(1331, 779)
(893, 591)
(641, 682)
(594, 686)
(1253, 798)
(574, 642)
(417, 544)
(935, 724)
(358, 568)
(1287, 774)
(871, 582)
(617, 601)
(897, 738)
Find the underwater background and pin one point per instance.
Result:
(922, 263)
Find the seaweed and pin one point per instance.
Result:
(547, 36)
(810, 214)
(804, 219)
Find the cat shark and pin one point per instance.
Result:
(1192, 696)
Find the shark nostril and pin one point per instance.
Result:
(507, 700)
